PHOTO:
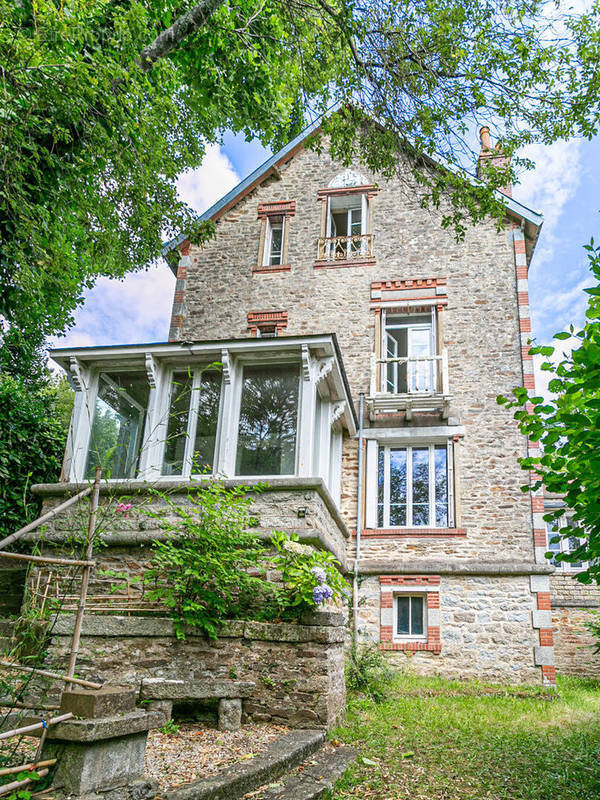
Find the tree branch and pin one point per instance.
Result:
(171, 38)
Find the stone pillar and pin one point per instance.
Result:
(104, 747)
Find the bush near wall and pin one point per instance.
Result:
(33, 430)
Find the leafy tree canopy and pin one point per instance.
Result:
(104, 103)
(568, 429)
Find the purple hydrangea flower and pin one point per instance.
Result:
(319, 574)
(322, 593)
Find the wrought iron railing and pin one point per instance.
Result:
(410, 375)
(345, 248)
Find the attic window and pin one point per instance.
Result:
(346, 237)
(274, 235)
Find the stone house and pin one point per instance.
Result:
(362, 350)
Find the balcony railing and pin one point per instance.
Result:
(345, 248)
(410, 383)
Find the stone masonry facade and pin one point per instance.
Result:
(487, 619)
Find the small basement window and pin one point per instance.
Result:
(410, 616)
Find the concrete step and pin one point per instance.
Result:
(312, 779)
(283, 755)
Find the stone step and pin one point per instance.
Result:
(312, 779)
(280, 758)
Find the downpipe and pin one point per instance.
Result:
(359, 514)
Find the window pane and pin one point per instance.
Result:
(441, 486)
(573, 544)
(420, 485)
(181, 393)
(398, 487)
(206, 428)
(276, 243)
(403, 616)
(380, 477)
(416, 616)
(118, 424)
(268, 419)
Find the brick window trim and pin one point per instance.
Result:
(276, 268)
(355, 262)
(392, 533)
(285, 208)
(390, 586)
(259, 320)
(408, 284)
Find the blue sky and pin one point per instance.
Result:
(564, 187)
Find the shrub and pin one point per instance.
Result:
(33, 431)
(310, 577)
(212, 565)
(368, 671)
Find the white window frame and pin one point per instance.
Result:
(267, 255)
(385, 327)
(408, 446)
(235, 429)
(564, 545)
(363, 205)
(410, 637)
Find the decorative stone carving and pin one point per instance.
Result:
(347, 179)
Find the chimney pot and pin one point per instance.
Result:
(485, 138)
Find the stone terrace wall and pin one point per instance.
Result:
(573, 606)
(127, 538)
(486, 629)
(298, 669)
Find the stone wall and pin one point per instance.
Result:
(485, 624)
(574, 605)
(298, 670)
(297, 506)
(480, 323)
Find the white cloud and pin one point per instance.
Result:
(138, 308)
(549, 187)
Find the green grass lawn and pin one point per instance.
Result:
(442, 740)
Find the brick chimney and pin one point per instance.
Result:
(492, 155)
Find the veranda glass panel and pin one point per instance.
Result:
(206, 428)
(441, 486)
(118, 424)
(268, 420)
(398, 487)
(177, 426)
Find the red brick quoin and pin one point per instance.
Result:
(419, 582)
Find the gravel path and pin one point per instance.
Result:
(196, 751)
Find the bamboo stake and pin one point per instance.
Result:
(47, 674)
(85, 578)
(35, 726)
(17, 704)
(10, 787)
(45, 518)
(45, 597)
(47, 560)
(26, 767)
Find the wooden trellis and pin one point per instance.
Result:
(41, 590)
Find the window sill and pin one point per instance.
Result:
(385, 533)
(276, 268)
(355, 262)
(411, 646)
